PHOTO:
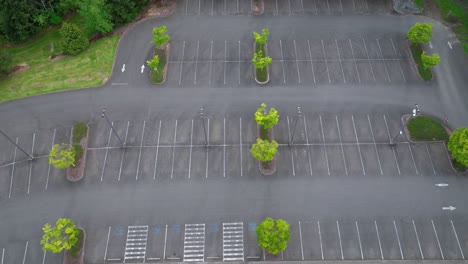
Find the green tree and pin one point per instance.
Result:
(458, 145)
(64, 235)
(124, 11)
(260, 61)
(62, 156)
(264, 151)
(266, 120)
(5, 61)
(273, 235)
(96, 15)
(261, 38)
(159, 36)
(420, 33)
(74, 41)
(17, 19)
(154, 63)
(430, 61)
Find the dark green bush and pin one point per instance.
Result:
(460, 167)
(74, 41)
(78, 152)
(79, 131)
(5, 60)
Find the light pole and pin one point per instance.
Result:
(31, 157)
(291, 140)
(207, 143)
(122, 144)
(416, 112)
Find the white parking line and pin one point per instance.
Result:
(367, 6)
(354, 6)
(417, 238)
(378, 237)
(207, 153)
(224, 148)
(107, 150)
(328, 4)
(191, 146)
(359, 148)
(123, 153)
(290, 150)
(157, 151)
(240, 145)
(315, 6)
(383, 59)
(412, 157)
(399, 62)
(212, 7)
(48, 169)
(196, 62)
(141, 147)
(320, 239)
(237, 6)
(354, 58)
(107, 244)
(398, 238)
(173, 149)
(341, 63)
(290, 11)
(225, 12)
(448, 156)
(458, 241)
(30, 162)
(368, 59)
(300, 236)
(199, 6)
(12, 170)
(324, 145)
(307, 141)
(393, 149)
(282, 61)
(276, 7)
(225, 58)
(339, 238)
(437, 237)
(297, 63)
(375, 145)
(325, 57)
(341, 144)
(211, 62)
(25, 252)
(182, 63)
(165, 242)
(186, 6)
(311, 64)
(3, 254)
(359, 239)
(43, 257)
(239, 62)
(430, 158)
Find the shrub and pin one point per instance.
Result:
(420, 33)
(74, 41)
(430, 61)
(5, 61)
(266, 120)
(264, 150)
(458, 145)
(273, 235)
(64, 235)
(160, 36)
(62, 156)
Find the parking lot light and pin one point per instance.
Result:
(202, 117)
(291, 140)
(122, 144)
(31, 157)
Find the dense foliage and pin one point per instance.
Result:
(458, 145)
(273, 235)
(74, 41)
(5, 60)
(264, 150)
(64, 235)
(62, 156)
(420, 33)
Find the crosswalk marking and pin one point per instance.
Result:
(194, 243)
(135, 246)
(233, 241)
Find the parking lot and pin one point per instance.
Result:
(282, 7)
(388, 239)
(295, 62)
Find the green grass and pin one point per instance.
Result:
(416, 51)
(157, 75)
(423, 128)
(74, 250)
(78, 152)
(419, 3)
(80, 131)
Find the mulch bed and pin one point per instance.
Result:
(257, 7)
(271, 169)
(76, 173)
(69, 259)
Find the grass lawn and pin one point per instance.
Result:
(419, 3)
(157, 75)
(416, 51)
(450, 11)
(44, 76)
(423, 128)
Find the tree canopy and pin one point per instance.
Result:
(64, 235)
(263, 37)
(458, 145)
(266, 119)
(430, 61)
(62, 156)
(264, 150)
(420, 33)
(160, 37)
(273, 235)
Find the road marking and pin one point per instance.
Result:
(359, 239)
(141, 147)
(3, 254)
(157, 151)
(182, 63)
(239, 63)
(325, 56)
(458, 241)
(199, 7)
(12, 170)
(30, 163)
(290, 151)
(412, 157)
(354, 58)
(173, 149)
(320, 239)
(207, 153)
(367, 6)
(339, 237)
(311, 64)
(225, 12)
(107, 150)
(240, 145)
(276, 14)
(359, 147)
(393, 149)
(43, 257)
(442, 185)
(225, 58)
(315, 5)
(237, 6)
(302, 6)
(142, 68)
(212, 7)
(233, 241)
(417, 238)
(224, 148)
(341, 144)
(368, 59)
(48, 169)
(191, 146)
(25, 252)
(378, 237)
(186, 6)
(123, 153)
(399, 62)
(328, 4)
(300, 236)
(297, 63)
(383, 59)
(449, 44)
(290, 11)
(398, 238)
(308, 147)
(451, 208)
(324, 145)
(194, 243)
(282, 61)
(165, 242)
(107, 244)
(123, 67)
(375, 145)
(448, 156)
(341, 63)
(196, 62)
(430, 158)
(136, 242)
(211, 62)
(437, 237)
(354, 6)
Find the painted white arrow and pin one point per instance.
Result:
(449, 44)
(142, 68)
(451, 208)
(442, 184)
(123, 68)
(430, 44)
